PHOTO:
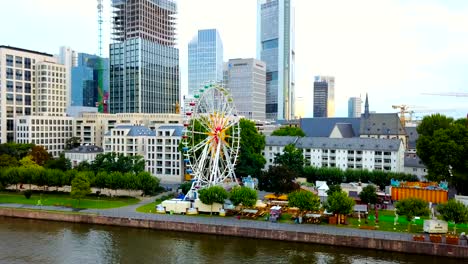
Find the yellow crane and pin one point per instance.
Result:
(403, 110)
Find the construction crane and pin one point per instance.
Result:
(403, 110)
(412, 109)
(102, 99)
(448, 94)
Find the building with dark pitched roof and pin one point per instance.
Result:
(323, 127)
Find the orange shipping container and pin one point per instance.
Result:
(434, 196)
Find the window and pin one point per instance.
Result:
(270, 44)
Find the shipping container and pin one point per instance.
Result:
(434, 196)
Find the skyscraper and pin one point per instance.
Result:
(354, 107)
(68, 57)
(275, 46)
(324, 96)
(144, 62)
(246, 81)
(205, 59)
(85, 81)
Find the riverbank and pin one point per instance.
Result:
(326, 235)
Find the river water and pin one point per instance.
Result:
(33, 241)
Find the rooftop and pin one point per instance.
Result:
(323, 126)
(26, 50)
(349, 143)
(86, 149)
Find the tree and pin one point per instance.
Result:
(304, 200)
(292, 158)
(8, 161)
(278, 179)
(333, 189)
(289, 131)
(112, 161)
(412, 207)
(211, 195)
(16, 150)
(39, 155)
(80, 187)
(72, 143)
(243, 195)
(454, 211)
(60, 163)
(252, 143)
(185, 187)
(443, 147)
(148, 183)
(368, 194)
(339, 203)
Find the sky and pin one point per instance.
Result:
(393, 50)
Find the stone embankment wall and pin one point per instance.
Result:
(67, 189)
(425, 248)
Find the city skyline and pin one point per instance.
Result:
(393, 50)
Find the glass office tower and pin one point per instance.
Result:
(324, 96)
(275, 46)
(205, 59)
(144, 63)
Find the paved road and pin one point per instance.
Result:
(129, 212)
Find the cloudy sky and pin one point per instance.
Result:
(393, 50)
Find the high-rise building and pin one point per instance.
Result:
(144, 62)
(275, 46)
(205, 59)
(354, 107)
(31, 84)
(86, 90)
(68, 58)
(324, 96)
(246, 81)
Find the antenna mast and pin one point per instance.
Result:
(100, 21)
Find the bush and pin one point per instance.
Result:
(27, 194)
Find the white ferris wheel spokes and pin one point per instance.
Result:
(211, 139)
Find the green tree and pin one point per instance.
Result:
(339, 203)
(243, 195)
(289, 131)
(72, 143)
(292, 158)
(100, 180)
(185, 187)
(8, 161)
(80, 187)
(443, 147)
(368, 194)
(333, 189)
(304, 200)
(412, 207)
(148, 183)
(252, 143)
(117, 162)
(60, 163)
(211, 195)
(278, 179)
(16, 150)
(454, 211)
(27, 161)
(54, 177)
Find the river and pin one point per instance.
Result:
(34, 241)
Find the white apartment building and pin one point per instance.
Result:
(158, 147)
(91, 127)
(50, 132)
(163, 157)
(343, 153)
(31, 83)
(83, 153)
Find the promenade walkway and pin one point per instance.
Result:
(130, 212)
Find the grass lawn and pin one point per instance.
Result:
(90, 202)
(151, 207)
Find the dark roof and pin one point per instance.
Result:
(345, 129)
(280, 140)
(412, 137)
(412, 160)
(381, 124)
(323, 126)
(178, 129)
(86, 149)
(26, 50)
(349, 143)
(135, 131)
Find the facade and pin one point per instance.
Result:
(90, 81)
(414, 166)
(324, 96)
(83, 153)
(205, 59)
(144, 62)
(31, 84)
(275, 46)
(354, 107)
(343, 153)
(246, 81)
(158, 147)
(91, 127)
(68, 58)
(49, 132)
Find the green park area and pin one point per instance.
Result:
(56, 199)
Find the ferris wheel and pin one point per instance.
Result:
(211, 138)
